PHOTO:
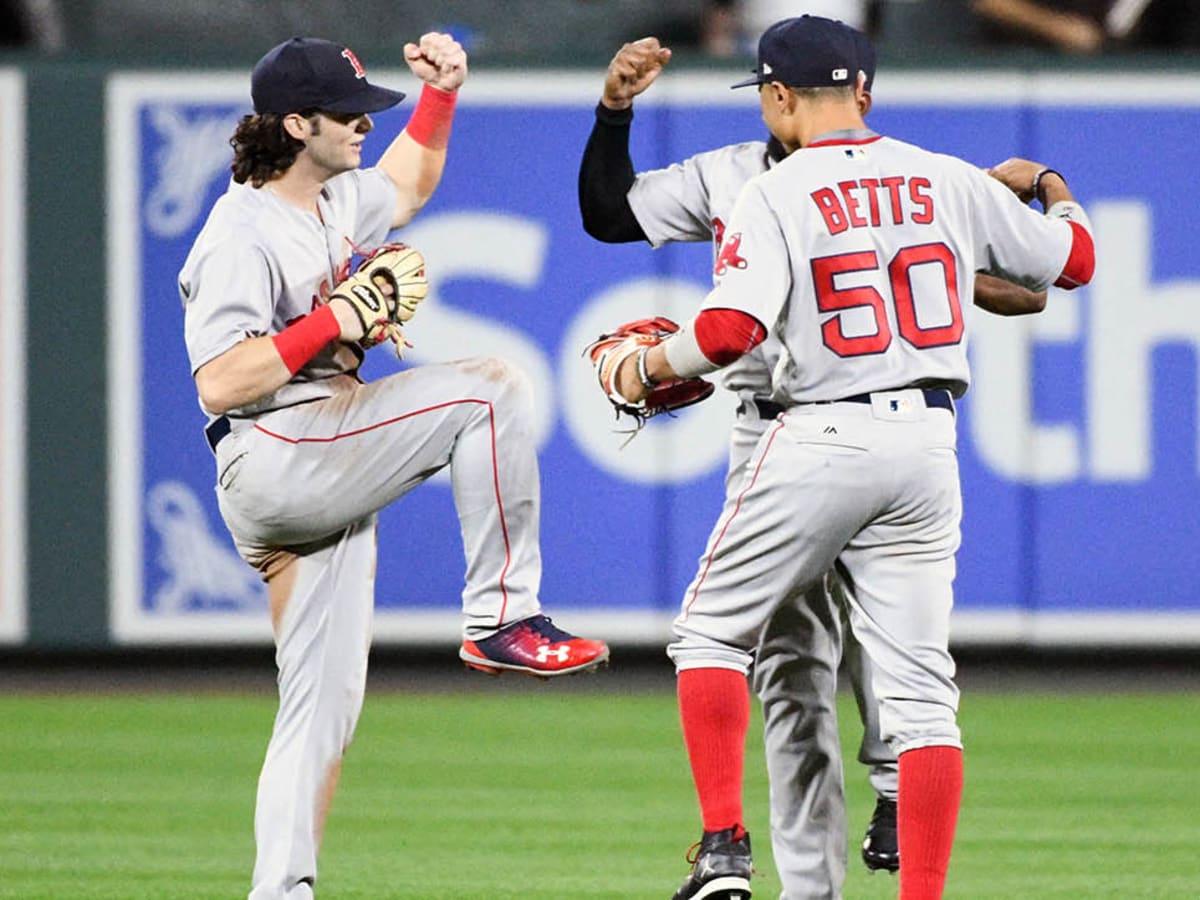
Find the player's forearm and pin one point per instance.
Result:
(415, 160)
(241, 375)
(714, 339)
(606, 174)
(657, 369)
(1004, 298)
(416, 172)
(258, 366)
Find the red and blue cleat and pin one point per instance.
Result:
(534, 646)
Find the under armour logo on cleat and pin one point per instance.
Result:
(562, 653)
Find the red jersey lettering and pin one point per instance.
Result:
(843, 209)
(831, 210)
(892, 183)
(924, 201)
(871, 185)
(856, 220)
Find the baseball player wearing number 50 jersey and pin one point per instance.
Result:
(796, 660)
(797, 657)
(307, 454)
(856, 252)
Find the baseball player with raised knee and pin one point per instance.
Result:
(276, 325)
(796, 660)
(855, 251)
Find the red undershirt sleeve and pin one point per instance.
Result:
(725, 335)
(1081, 263)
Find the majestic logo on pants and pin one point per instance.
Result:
(562, 652)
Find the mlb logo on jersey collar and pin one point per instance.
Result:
(811, 51)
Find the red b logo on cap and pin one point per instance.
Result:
(359, 71)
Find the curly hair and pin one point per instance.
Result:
(262, 149)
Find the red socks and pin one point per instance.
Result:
(931, 781)
(714, 709)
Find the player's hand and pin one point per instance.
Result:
(351, 322)
(1017, 175)
(632, 70)
(438, 60)
(352, 327)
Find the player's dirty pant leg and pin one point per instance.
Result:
(370, 444)
(795, 676)
(321, 652)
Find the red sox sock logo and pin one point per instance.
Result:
(728, 257)
(561, 652)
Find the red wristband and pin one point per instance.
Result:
(304, 338)
(429, 124)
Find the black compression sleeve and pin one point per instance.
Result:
(605, 177)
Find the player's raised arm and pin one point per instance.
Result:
(606, 170)
(416, 158)
(1033, 181)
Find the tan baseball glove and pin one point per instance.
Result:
(384, 291)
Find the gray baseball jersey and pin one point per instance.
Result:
(693, 201)
(260, 263)
(869, 238)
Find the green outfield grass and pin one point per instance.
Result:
(546, 795)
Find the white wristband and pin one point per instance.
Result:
(643, 375)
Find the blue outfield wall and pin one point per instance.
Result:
(1078, 440)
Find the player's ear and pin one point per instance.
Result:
(297, 126)
(862, 94)
(780, 94)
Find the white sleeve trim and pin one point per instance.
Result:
(684, 355)
(1072, 211)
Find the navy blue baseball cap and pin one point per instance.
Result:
(310, 73)
(812, 51)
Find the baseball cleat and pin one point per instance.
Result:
(721, 868)
(534, 646)
(880, 850)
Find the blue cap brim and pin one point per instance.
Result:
(754, 79)
(368, 100)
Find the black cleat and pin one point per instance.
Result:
(720, 868)
(881, 849)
